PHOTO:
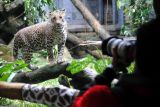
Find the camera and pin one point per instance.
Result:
(123, 49)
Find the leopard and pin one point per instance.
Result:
(42, 36)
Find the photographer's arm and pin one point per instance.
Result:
(11, 90)
(58, 96)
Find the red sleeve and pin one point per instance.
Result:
(97, 96)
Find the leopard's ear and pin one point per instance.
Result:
(63, 12)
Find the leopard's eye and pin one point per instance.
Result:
(60, 17)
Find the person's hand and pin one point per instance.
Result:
(115, 59)
(117, 63)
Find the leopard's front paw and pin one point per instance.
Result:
(60, 61)
(32, 67)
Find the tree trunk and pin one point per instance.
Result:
(91, 19)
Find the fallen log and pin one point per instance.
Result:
(79, 81)
(45, 73)
(91, 19)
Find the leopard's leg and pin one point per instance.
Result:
(51, 57)
(16, 46)
(27, 57)
(60, 52)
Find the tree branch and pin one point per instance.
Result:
(87, 46)
(91, 19)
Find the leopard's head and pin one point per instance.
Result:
(57, 17)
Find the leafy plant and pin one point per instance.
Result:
(77, 66)
(136, 12)
(131, 68)
(10, 67)
(36, 9)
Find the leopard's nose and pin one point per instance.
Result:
(58, 25)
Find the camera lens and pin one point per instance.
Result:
(125, 49)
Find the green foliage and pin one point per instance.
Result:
(101, 64)
(35, 9)
(136, 12)
(10, 67)
(40, 59)
(6, 1)
(131, 68)
(77, 66)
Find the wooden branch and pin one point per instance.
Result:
(91, 19)
(78, 42)
(97, 54)
(86, 44)
(45, 73)
(73, 39)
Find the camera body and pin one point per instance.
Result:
(123, 49)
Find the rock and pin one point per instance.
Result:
(1, 53)
(6, 52)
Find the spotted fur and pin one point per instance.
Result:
(43, 35)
